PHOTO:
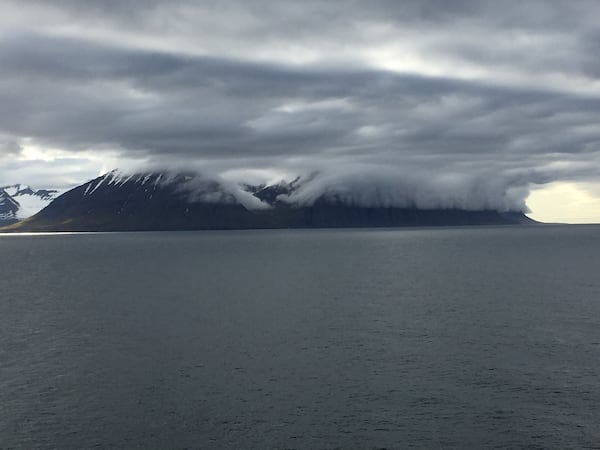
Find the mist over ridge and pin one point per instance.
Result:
(368, 187)
(167, 200)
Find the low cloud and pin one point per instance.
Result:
(385, 187)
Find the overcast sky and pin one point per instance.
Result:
(454, 102)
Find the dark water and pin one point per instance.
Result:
(447, 338)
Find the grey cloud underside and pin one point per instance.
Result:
(85, 95)
(228, 110)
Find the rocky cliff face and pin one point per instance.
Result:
(8, 208)
(167, 201)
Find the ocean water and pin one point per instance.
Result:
(307, 339)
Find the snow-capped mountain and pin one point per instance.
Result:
(20, 201)
(8, 208)
(187, 201)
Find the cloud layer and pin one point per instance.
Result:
(466, 102)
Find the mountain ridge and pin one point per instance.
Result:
(186, 201)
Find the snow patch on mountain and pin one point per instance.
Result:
(20, 201)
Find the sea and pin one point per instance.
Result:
(474, 338)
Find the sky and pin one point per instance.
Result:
(475, 104)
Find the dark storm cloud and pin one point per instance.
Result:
(463, 94)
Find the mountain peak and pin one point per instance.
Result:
(9, 208)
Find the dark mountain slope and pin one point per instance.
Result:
(161, 201)
(152, 201)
